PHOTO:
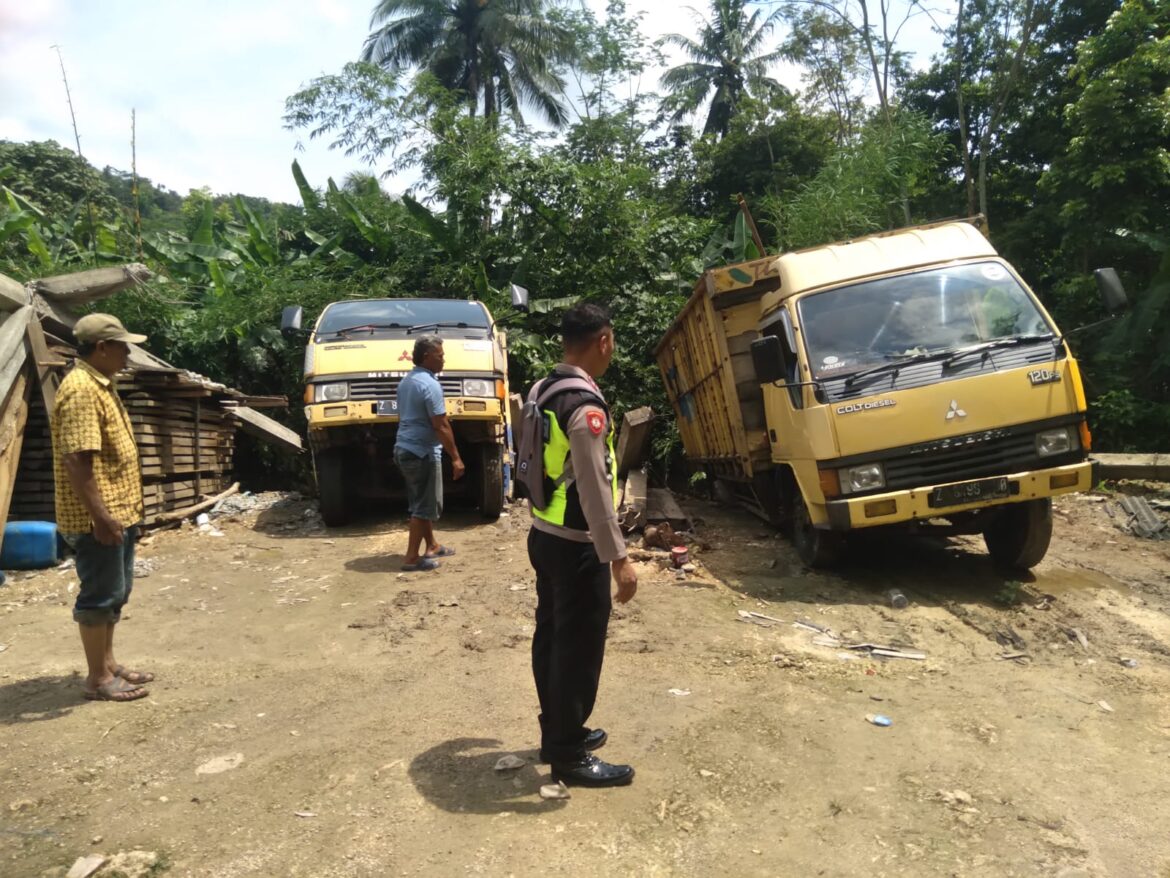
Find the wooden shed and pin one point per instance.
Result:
(185, 424)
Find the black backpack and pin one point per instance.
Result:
(533, 432)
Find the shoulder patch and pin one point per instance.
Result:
(596, 421)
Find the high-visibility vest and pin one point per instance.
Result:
(564, 507)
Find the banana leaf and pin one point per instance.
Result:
(433, 227)
(309, 197)
(261, 246)
(218, 278)
(205, 233)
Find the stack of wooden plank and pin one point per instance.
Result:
(184, 424)
(33, 498)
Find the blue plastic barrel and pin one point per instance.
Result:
(29, 545)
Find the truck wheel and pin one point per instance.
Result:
(817, 548)
(1019, 535)
(491, 480)
(336, 510)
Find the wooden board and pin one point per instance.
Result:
(13, 418)
(263, 427)
(661, 506)
(634, 440)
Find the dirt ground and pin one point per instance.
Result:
(318, 713)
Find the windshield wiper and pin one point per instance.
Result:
(370, 326)
(995, 344)
(418, 327)
(895, 366)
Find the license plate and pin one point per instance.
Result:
(969, 492)
(387, 407)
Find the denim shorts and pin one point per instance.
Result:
(106, 574)
(424, 484)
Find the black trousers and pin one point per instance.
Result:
(572, 615)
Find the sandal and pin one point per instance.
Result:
(135, 677)
(116, 690)
(423, 563)
(441, 552)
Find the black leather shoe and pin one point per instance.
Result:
(594, 740)
(592, 772)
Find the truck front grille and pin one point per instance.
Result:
(997, 452)
(362, 389)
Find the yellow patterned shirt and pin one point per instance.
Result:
(89, 416)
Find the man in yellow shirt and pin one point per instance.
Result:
(99, 498)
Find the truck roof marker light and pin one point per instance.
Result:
(830, 483)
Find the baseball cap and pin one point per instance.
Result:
(93, 328)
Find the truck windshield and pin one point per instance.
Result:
(397, 316)
(917, 315)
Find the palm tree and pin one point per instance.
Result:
(725, 58)
(501, 51)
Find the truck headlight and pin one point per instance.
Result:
(332, 392)
(1052, 442)
(867, 477)
(478, 387)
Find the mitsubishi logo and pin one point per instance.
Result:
(405, 356)
(955, 411)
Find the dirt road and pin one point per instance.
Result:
(319, 714)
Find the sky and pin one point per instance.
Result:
(208, 82)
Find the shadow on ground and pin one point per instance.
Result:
(40, 698)
(752, 558)
(459, 776)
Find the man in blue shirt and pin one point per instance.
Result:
(423, 433)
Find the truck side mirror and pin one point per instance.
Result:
(768, 359)
(290, 320)
(519, 298)
(1111, 289)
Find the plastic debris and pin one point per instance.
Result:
(1104, 705)
(878, 719)
(1129, 663)
(510, 762)
(897, 600)
(679, 693)
(305, 813)
(556, 790)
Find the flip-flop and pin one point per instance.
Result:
(444, 552)
(116, 690)
(135, 677)
(423, 563)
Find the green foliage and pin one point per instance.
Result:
(505, 52)
(728, 63)
(869, 184)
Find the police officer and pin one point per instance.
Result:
(575, 545)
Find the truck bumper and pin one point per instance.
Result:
(901, 506)
(328, 415)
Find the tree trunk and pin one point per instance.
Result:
(964, 142)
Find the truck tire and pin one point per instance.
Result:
(491, 480)
(332, 497)
(1019, 535)
(816, 547)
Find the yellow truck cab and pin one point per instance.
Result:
(357, 353)
(909, 378)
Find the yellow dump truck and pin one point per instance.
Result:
(357, 353)
(909, 378)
